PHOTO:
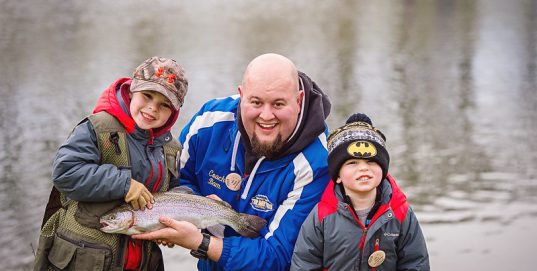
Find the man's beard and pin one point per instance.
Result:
(268, 150)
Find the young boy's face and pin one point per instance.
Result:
(150, 109)
(360, 176)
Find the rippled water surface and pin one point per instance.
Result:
(452, 84)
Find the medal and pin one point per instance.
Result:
(233, 181)
(376, 258)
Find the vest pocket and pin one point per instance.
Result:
(67, 254)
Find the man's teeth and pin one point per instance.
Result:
(267, 125)
(363, 178)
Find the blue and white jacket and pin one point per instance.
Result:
(282, 190)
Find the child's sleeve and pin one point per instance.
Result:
(412, 252)
(77, 171)
(308, 251)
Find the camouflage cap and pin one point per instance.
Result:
(162, 75)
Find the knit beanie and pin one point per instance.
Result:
(357, 139)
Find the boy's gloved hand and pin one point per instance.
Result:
(138, 196)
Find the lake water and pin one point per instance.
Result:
(452, 84)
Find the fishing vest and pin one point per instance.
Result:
(70, 238)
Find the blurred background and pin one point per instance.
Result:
(451, 83)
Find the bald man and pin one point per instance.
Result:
(263, 152)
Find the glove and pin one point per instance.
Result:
(138, 196)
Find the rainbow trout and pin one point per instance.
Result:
(180, 204)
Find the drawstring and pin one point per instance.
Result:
(251, 178)
(234, 154)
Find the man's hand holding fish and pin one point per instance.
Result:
(181, 233)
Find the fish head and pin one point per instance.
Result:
(117, 222)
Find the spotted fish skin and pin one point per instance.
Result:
(201, 211)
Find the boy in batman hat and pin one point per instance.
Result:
(363, 220)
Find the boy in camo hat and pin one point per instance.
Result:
(123, 152)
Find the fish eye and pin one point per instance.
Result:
(113, 217)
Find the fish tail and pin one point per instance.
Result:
(250, 225)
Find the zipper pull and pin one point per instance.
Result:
(151, 137)
(377, 257)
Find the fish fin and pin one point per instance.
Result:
(250, 225)
(217, 230)
(134, 230)
(182, 190)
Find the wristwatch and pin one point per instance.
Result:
(201, 252)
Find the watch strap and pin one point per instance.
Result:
(201, 252)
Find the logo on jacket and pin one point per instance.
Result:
(215, 179)
(261, 203)
(362, 149)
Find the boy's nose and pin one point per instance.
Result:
(362, 166)
(152, 106)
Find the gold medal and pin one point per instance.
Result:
(233, 181)
(376, 258)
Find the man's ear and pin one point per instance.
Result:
(239, 89)
(300, 98)
(338, 180)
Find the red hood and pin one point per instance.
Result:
(109, 103)
(398, 202)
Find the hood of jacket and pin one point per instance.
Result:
(115, 100)
(391, 196)
(315, 109)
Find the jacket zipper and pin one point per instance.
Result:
(364, 234)
(156, 186)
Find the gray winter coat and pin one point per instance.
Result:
(77, 169)
(332, 237)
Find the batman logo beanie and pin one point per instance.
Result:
(357, 139)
